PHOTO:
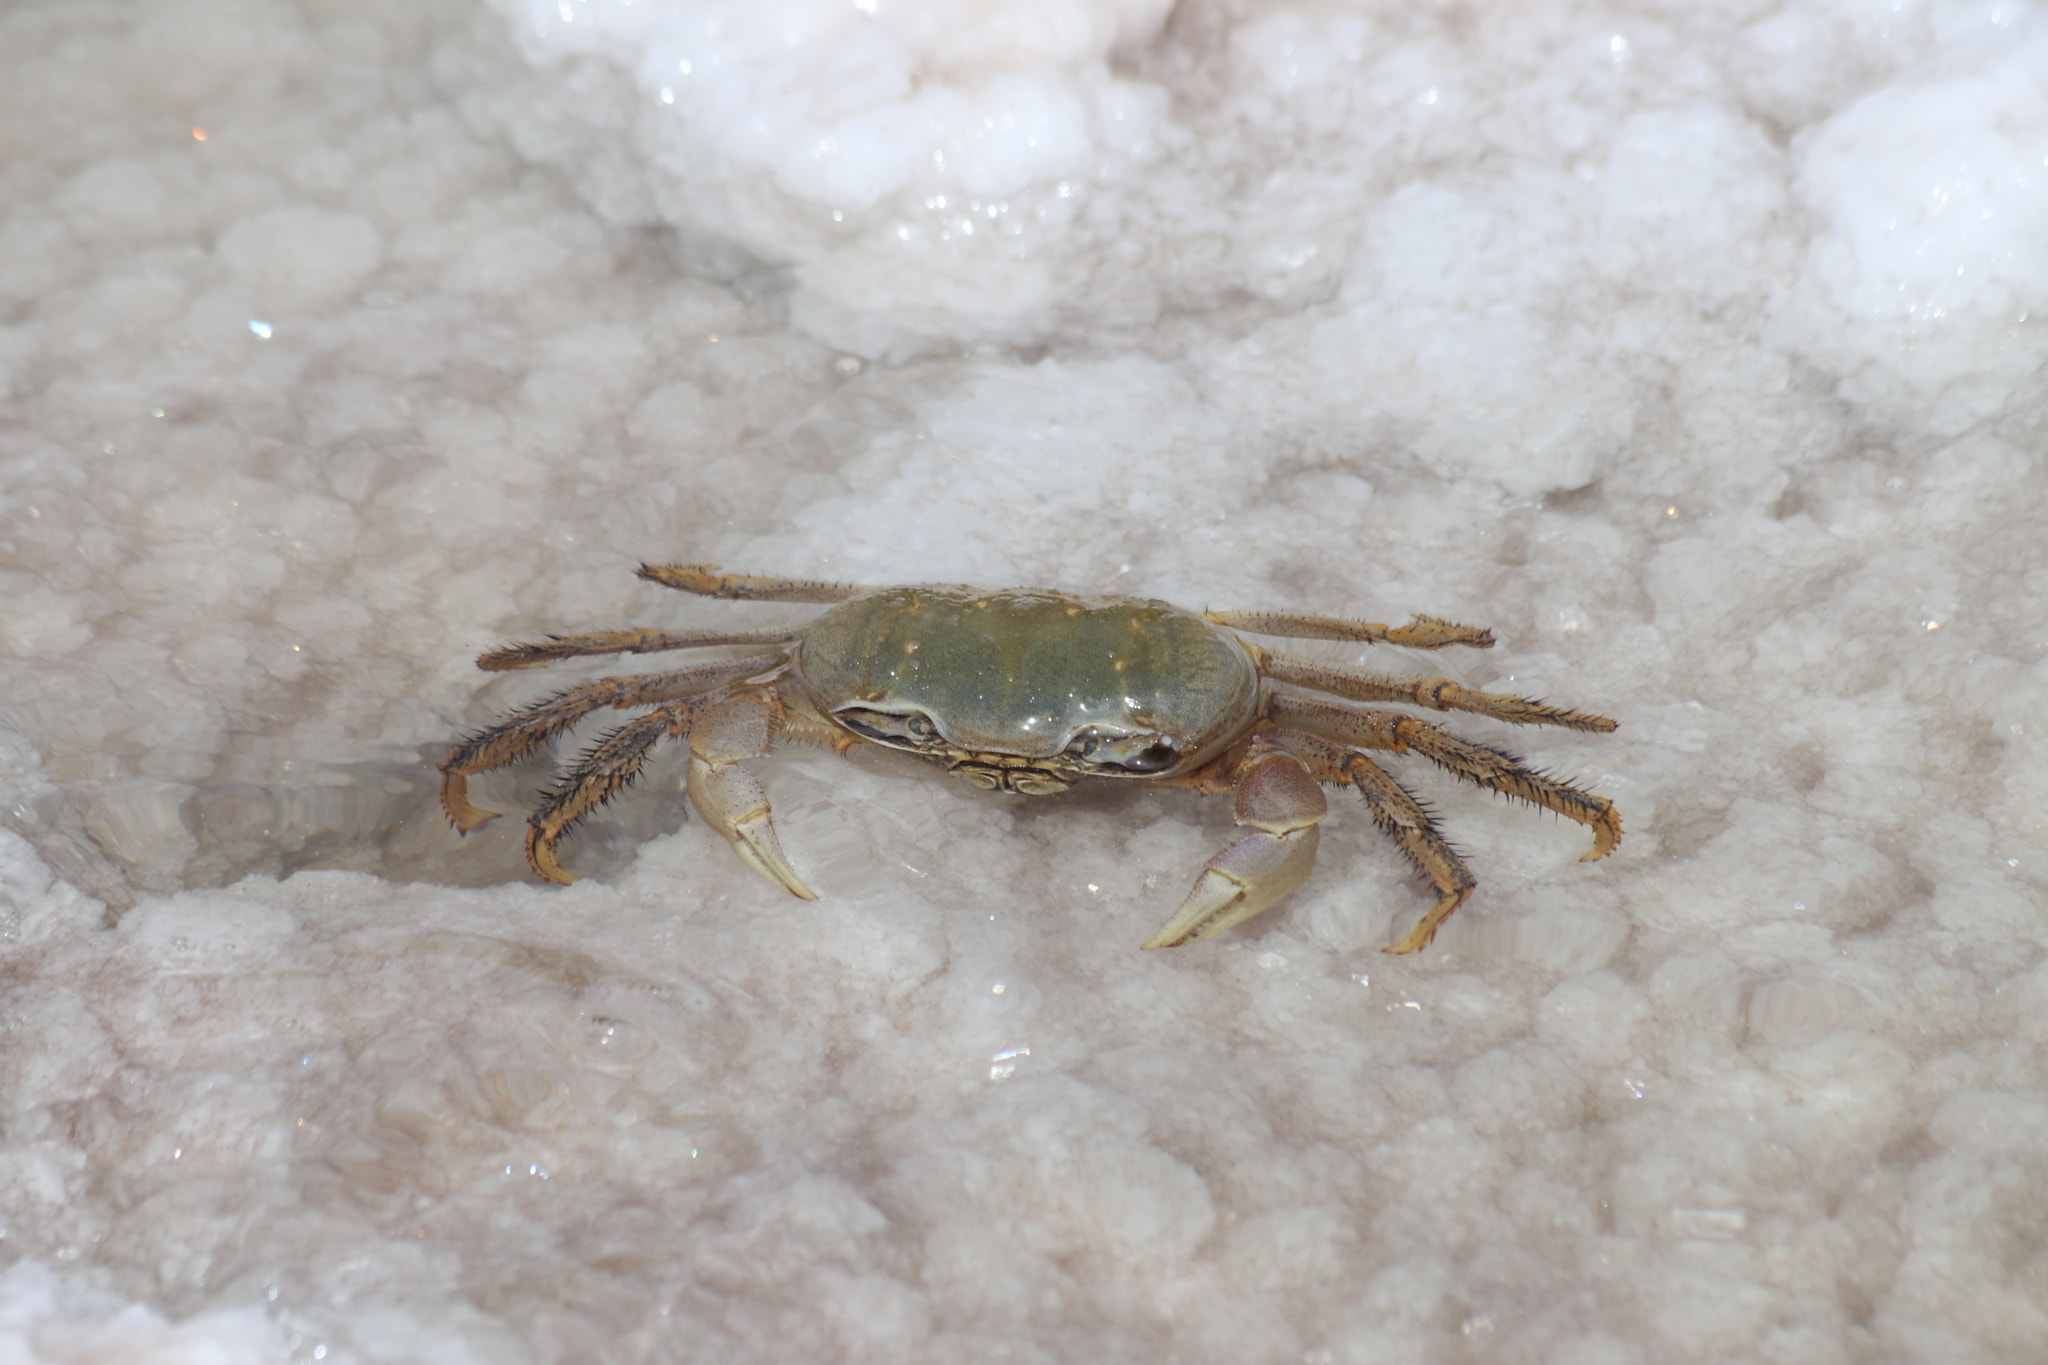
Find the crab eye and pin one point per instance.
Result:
(887, 727)
(1129, 754)
(1153, 758)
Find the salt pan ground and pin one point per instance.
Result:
(1697, 350)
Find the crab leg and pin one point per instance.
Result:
(525, 730)
(1436, 694)
(1282, 805)
(1476, 763)
(632, 640)
(612, 763)
(728, 796)
(721, 731)
(1401, 818)
(1421, 632)
(706, 581)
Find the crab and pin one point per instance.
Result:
(1030, 691)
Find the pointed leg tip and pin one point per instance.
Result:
(1425, 930)
(540, 855)
(1606, 838)
(553, 872)
(455, 804)
(1414, 943)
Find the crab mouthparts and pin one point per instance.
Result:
(1007, 773)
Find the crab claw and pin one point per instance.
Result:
(731, 801)
(1283, 805)
(728, 797)
(1238, 883)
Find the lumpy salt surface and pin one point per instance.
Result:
(1697, 351)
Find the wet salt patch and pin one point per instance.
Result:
(819, 816)
(141, 822)
(1573, 940)
(1593, 1017)
(918, 174)
(1354, 915)
(46, 1315)
(1924, 186)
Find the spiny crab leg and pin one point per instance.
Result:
(1421, 632)
(531, 726)
(706, 581)
(1435, 694)
(1401, 818)
(632, 640)
(721, 731)
(728, 797)
(1475, 763)
(606, 770)
(1282, 805)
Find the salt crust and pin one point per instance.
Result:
(1698, 354)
